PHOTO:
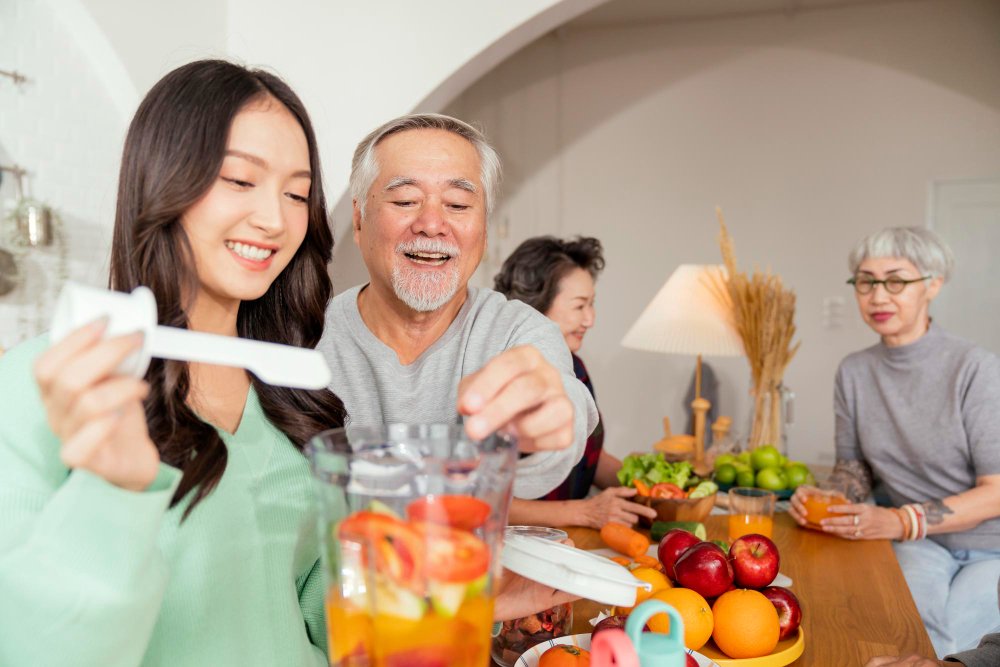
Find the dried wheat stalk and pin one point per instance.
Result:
(764, 314)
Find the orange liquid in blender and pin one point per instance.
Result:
(358, 639)
(746, 524)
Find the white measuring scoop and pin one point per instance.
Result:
(282, 365)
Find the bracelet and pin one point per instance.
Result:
(914, 527)
(904, 519)
(922, 516)
(918, 531)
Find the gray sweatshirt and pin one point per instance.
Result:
(377, 389)
(926, 418)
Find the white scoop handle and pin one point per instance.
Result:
(283, 365)
(273, 363)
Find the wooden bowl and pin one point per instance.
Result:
(676, 509)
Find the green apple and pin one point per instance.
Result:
(743, 457)
(798, 475)
(725, 474)
(765, 456)
(744, 478)
(772, 479)
(723, 459)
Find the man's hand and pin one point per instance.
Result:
(520, 391)
(912, 660)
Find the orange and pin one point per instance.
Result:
(658, 580)
(565, 655)
(694, 611)
(746, 624)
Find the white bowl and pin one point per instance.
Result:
(530, 657)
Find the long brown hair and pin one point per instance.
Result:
(173, 154)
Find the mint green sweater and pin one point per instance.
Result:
(92, 575)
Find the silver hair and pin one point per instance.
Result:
(364, 166)
(925, 249)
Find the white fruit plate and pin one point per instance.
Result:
(530, 657)
(780, 580)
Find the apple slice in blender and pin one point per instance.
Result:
(446, 598)
(394, 600)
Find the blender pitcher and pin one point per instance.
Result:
(412, 519)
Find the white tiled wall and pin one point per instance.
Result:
(64, 129)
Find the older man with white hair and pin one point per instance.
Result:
(417, 344)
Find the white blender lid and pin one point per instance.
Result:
(571, 570)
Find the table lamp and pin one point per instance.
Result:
(691, 314)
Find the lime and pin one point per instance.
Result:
(772, 479)
(798, 475)
(765, 456)
(725, 474)
(744, 478)
(723, 459)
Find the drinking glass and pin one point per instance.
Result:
(818, 503)
(412, 521)
(751, 510)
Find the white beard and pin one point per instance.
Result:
(425, 291)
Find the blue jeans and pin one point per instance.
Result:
(955, 592)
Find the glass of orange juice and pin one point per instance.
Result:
(412, 520)
(818, 503)
(751, 511)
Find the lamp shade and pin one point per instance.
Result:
(688, 317)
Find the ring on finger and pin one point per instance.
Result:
(857, 533)
(856, 520)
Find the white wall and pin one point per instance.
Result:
(64, 126)
(90, 61)
(810, 130)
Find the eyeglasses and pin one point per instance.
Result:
(893, 284)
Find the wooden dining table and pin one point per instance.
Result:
(855, 602)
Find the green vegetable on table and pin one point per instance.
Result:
(661, 528)
(703, 489)
(652, 469)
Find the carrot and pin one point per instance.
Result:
(649, 561)
(624, 540)
(621, 560)
(641, 487)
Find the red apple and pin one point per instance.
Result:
(789, 609)
(673, 544)
(755, 561)
(617, 621)
(705, 569)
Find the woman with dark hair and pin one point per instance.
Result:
(556, 277)
(169, 520)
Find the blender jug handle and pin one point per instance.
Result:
(656, 649)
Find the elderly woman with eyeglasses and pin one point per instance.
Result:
(920, 413)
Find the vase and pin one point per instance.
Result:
(770, 417)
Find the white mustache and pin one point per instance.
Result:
(428, 245)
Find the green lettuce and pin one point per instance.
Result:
(652, 469)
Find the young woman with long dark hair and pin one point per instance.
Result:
(169, 520)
